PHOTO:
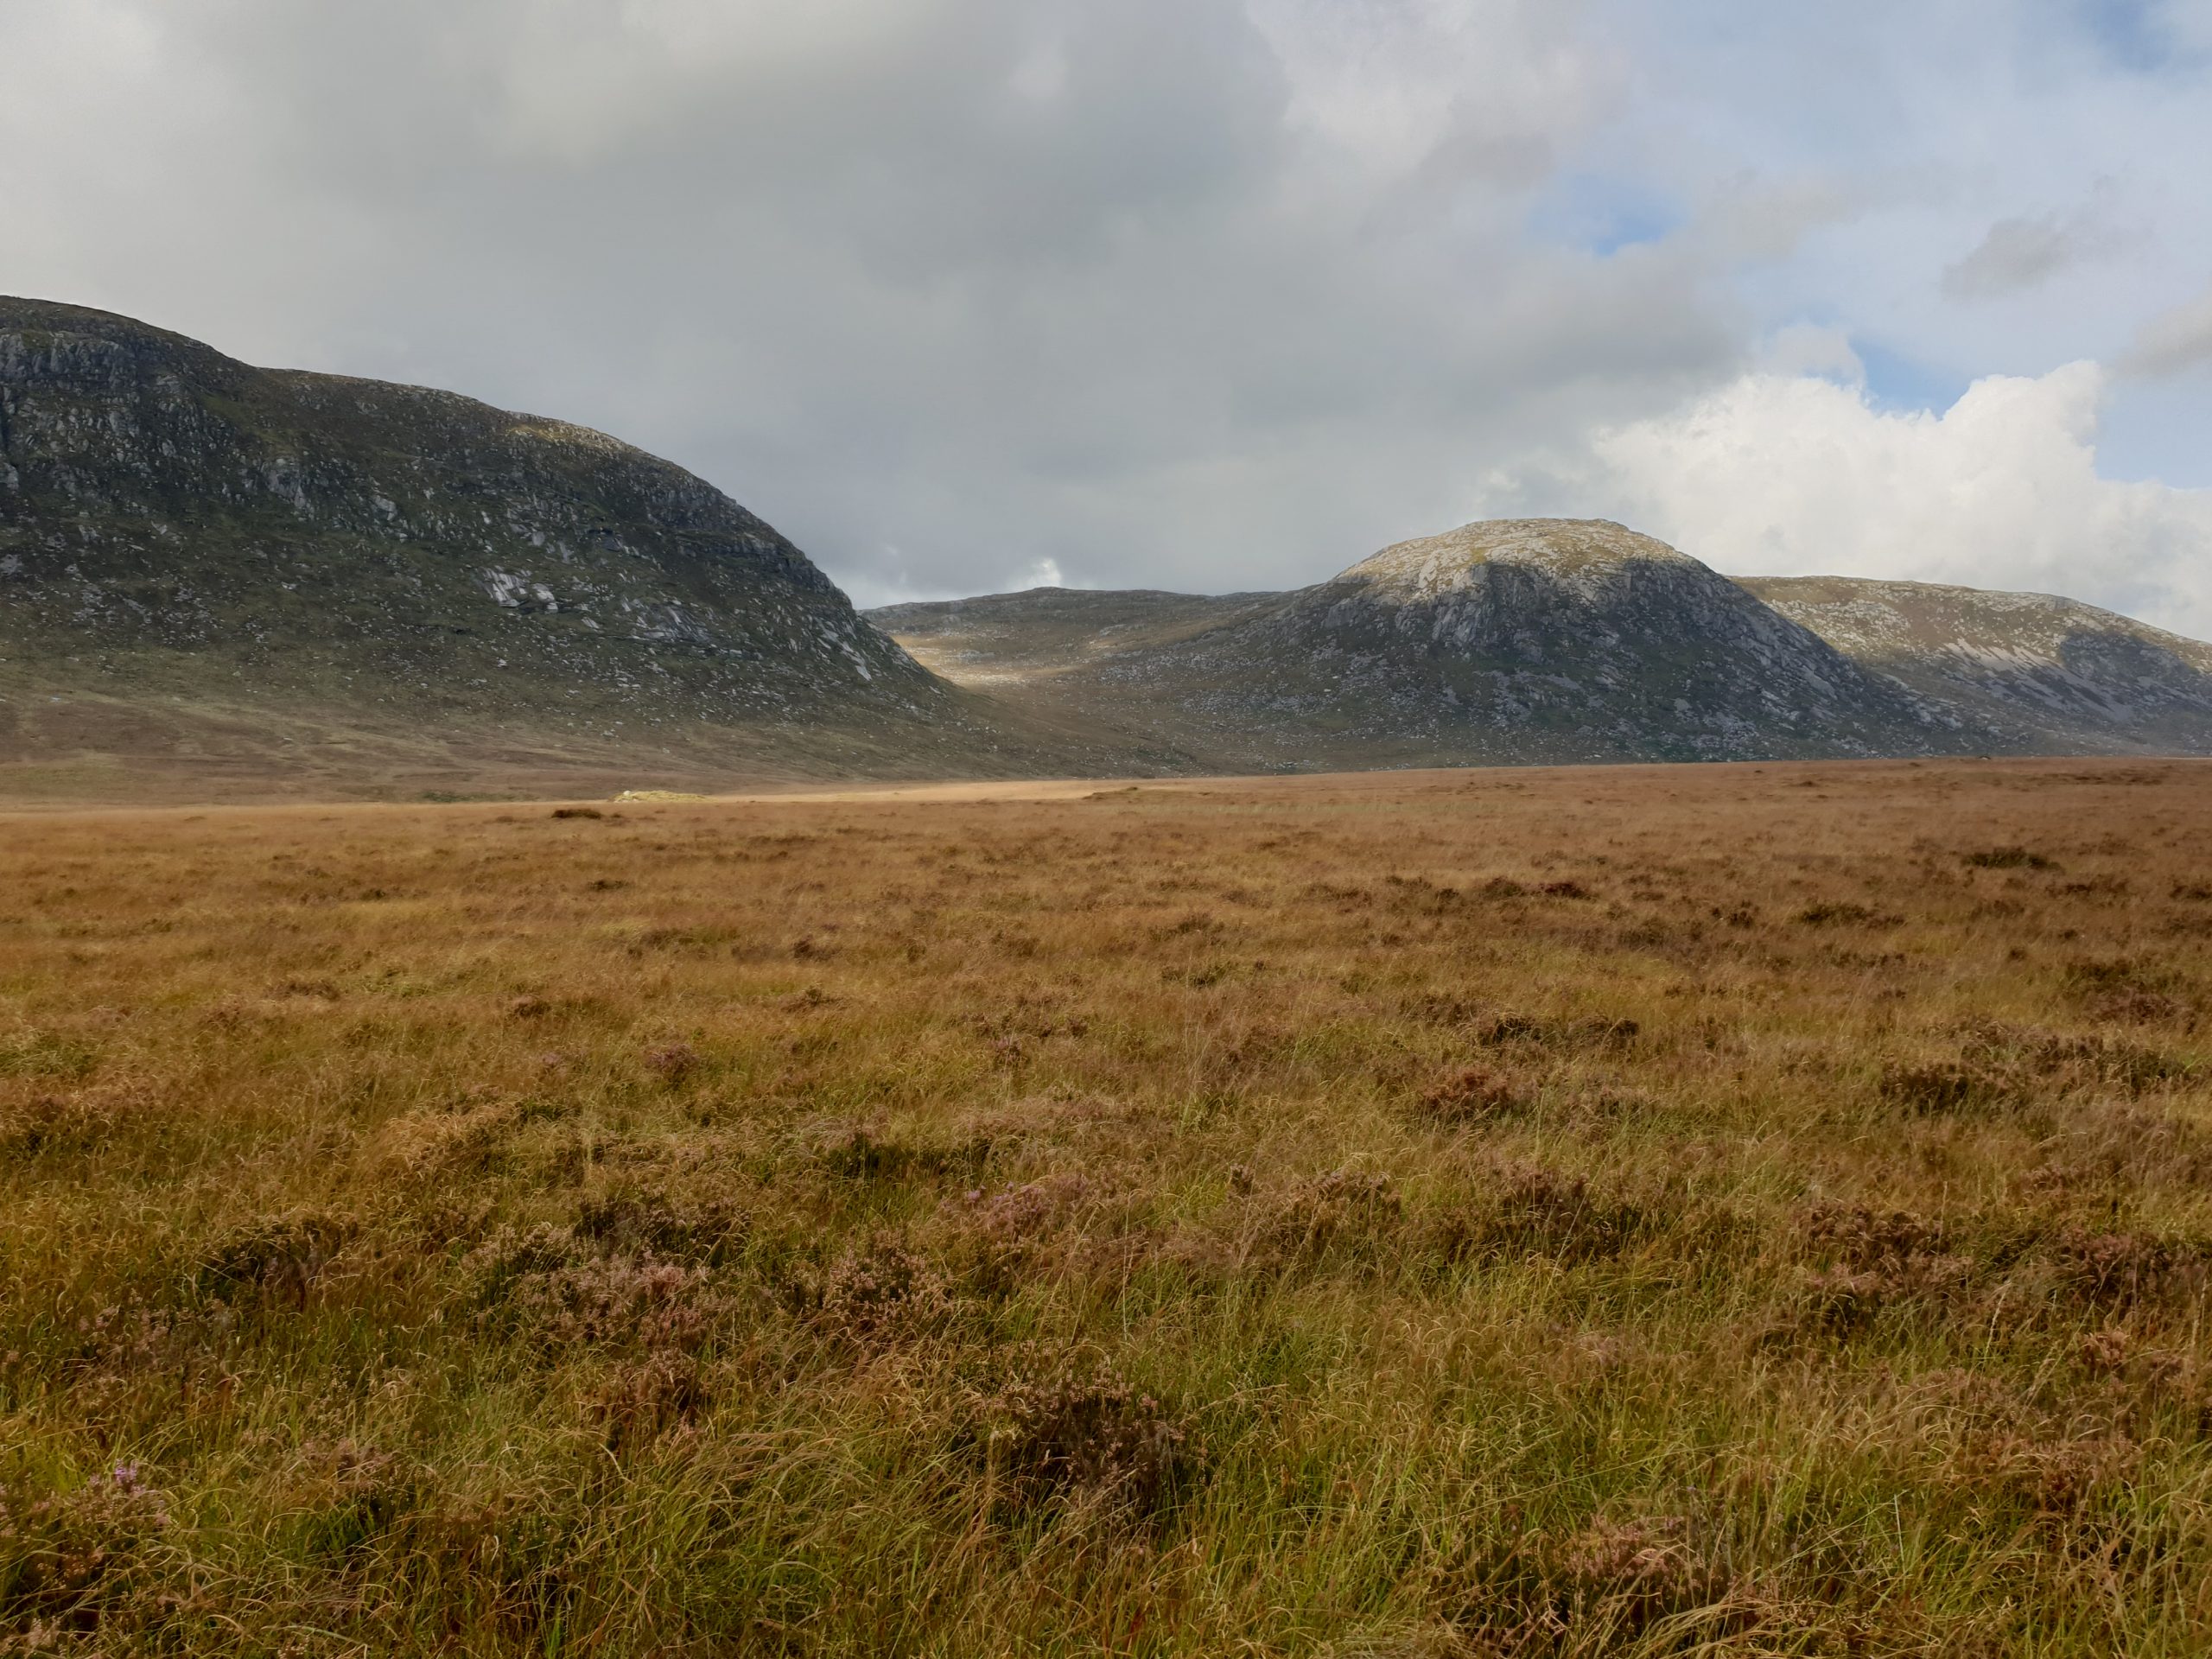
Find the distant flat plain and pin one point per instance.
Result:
(1752, 1208)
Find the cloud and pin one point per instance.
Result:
(1161, 290)
(1204, 293)
(1782, 474)
(2016, 253)
(2173, 341)
(1442, 87)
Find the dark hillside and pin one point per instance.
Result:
(204, 564)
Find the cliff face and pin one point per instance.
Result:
(216, 548)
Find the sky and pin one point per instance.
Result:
(968, 295)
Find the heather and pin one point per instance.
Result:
(1750, 1209)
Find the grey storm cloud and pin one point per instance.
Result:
(945, 288)
(2016, 253)
(1205, 293)
(2174, 341)
(2020, 252)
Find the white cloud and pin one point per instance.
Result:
(1787, 474)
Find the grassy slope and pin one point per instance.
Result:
(1747, 1209)
(62, 744)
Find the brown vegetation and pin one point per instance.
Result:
(1654, 1211)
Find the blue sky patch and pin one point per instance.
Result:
(2132, 33)
(1894, 382)
(1602, 215)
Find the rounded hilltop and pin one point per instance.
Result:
(1561, 546)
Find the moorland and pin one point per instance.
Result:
(1754, 1208)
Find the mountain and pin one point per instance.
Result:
(221, 580)
(1572, 641)
(1514, 640)
(249, 576)
(2048, 675)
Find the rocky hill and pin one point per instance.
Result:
(2046, 675)
(1550, 640)
(1516, 640)
(226, 572)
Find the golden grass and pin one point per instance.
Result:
(1750, 1209)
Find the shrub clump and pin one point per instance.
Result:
(1021, 1212)
(1870, 1258)
(423, 1145)
(2122, 990)
(1344, 1207)
(60, 1554)
(619, 1302)
(1476, 1094)
(854, 1152)
(1001, 1234)
(645, 1223)
(1624, 1575)
(48, 1123)
(2052, 1480)
(282, 1254)
(1575, 1032)
(882, 1295)
(2014, 857)
(1069, 1425)
(671, 1062)
(1999, 1066)
(543, 1285)
(1539, 1212)
(2118, 1269)
(640, 1399)
(1889, 1242)
(1837, 913)
(1941, 1090)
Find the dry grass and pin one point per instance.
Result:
(1752, 1209)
